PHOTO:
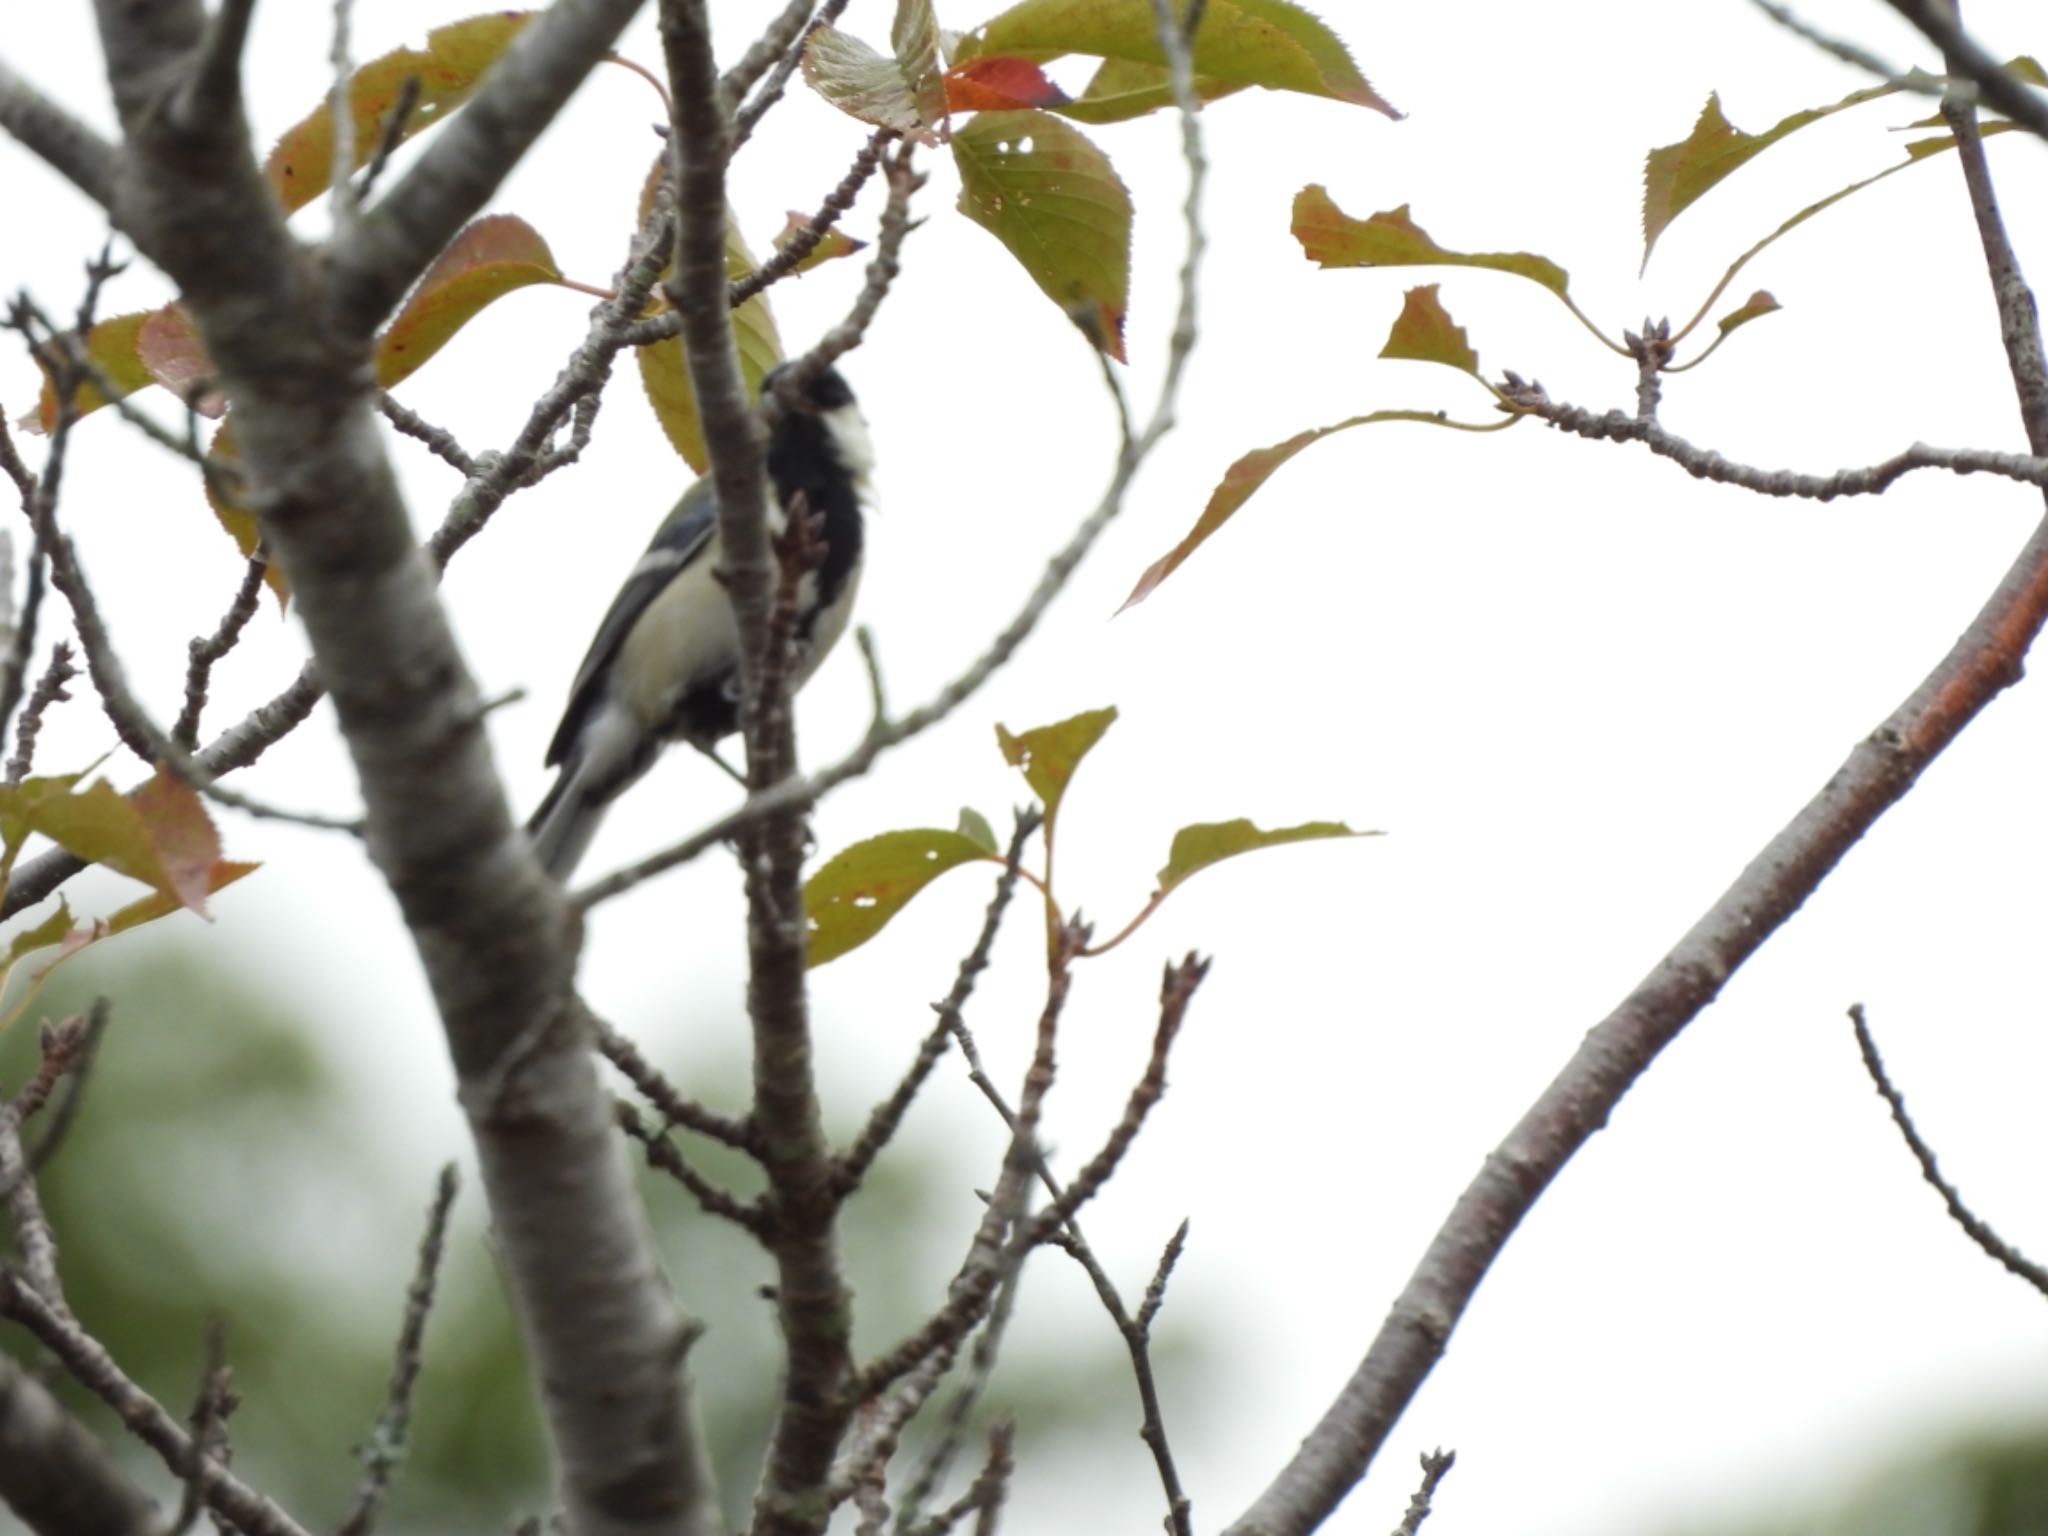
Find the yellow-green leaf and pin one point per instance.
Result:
(835, 243)
(975, 825)
(666, 378)
(160, 835)
(1425, 333)
(449, 70)
(50, 930)
(110, 346)
(1243, 479)
(1332, 238)
(1755, 307)
(1050, 754)
(1056, 203)
(1121, 89)
(492, 257)
(855, 893)
(1196, 848)
(1271, 43)
(1678, 175)
(224, 476)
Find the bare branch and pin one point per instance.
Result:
(77, 1061)
(664, 1095)
(1436, 1465)
(665, 1155)
(49, 690)
(215, 1401)
(54, 1474)
(386, 1446)
(882, 270)
(66, 145)
(1707, 464)
(205, 650)
(837, 203)
(1980, 1231)
(439, 440)
(1850, 53)
(214, 84)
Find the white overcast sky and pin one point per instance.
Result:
(1578, 688)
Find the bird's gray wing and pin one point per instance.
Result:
(682, 539)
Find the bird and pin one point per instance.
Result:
(665, 663)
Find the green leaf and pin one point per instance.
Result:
(1196, 848)
(974, 825)
(450, 68)
(1056, 203)
(51, 930)
(111, 348)
(1678, 175)
(1755, 307)
(666, 378)
(854, 894)
(160, 834)
(1332, 238)
(1271, 43)
(1121, 89)
(1050, 754)
(494, 256)
(1243, 479)
(906, 95)
(1425, 333)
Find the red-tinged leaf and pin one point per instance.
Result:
(1332, 238)
(1121, 89)
(855, 893)
(870, 86)
(1050, 754)
(1425, 333)
(171, 350)
(449, 69)
(1196, 848)
(110, 347)
(835, 244)
(187, 842)
(1056, 203)
(1755, 307)
(1678, 175)
(494, 256)
(1272, 43)
(999, 85)
(1243, 479)
(223, 874)
(98, 824)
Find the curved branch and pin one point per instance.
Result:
(62, 142)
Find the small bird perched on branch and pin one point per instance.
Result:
(665, 665)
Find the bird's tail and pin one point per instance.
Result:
(568, 818)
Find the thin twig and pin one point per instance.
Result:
(1980, 1231)
(1851, 53)
(213, 1404)
(388, 136)
(205, 650)
(984, 1497)
(439, 440)
(49, 690)
(665, 1155)
(786, 38)
(386, 1447)
(806, 239)
(1436, 1465)
(77, 1073)
(2001, 88)
(667, 1099)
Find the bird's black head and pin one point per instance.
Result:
(826, 391)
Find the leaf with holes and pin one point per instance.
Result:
(110, 346)
(494, 256)
(1425, 333)
(1271, 43)
(1332, 238)
(855, 893)
(1050, 754)
(449, 70)
(1057, 205)
(1196, 848)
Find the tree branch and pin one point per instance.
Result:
(66, 145)
(1985, 660)
(2002, 89)
(56, 1477)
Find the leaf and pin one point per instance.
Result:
(666, 378)
(999, 84)
(1755, 307)
(1678, 175)
(450, 68)
(1332, 238)
(974, 825)
(224, 459)
(1425, 333)
(50, 930)
(494, 256)
(1196, 848)
(854, 894)
(223, 874)
(169, 346)
(871, 86)
(914, 38)
(1057, 205)
(110, 347)
(1121, 89)
(1050, 754)
(160, 835)
(1272, 43)
(1243, 479)
(836, 242)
